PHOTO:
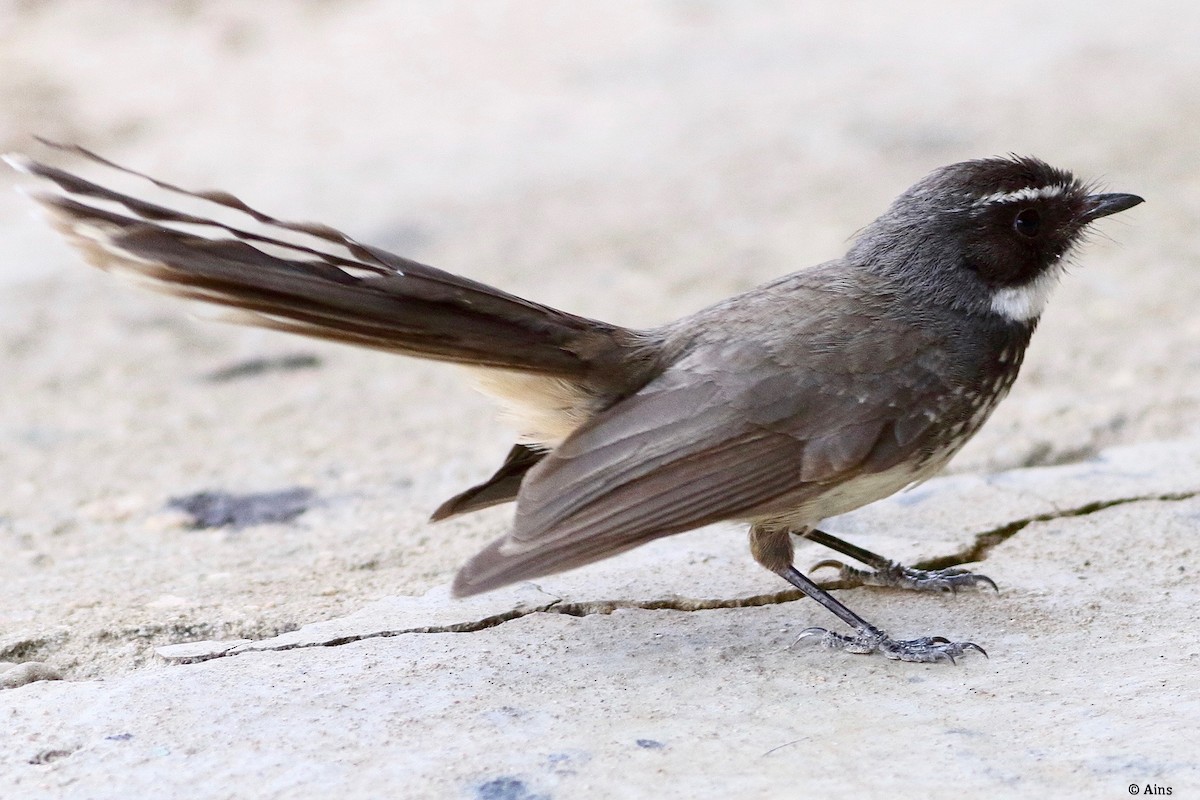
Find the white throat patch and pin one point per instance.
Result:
(1026, 303)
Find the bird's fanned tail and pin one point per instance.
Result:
(312, 279)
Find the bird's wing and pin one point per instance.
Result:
(726, 432)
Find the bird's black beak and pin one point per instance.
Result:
(1096, 206)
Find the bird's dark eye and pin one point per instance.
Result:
(1028, 222)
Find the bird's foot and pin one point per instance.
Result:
(898, 576)
(872, 640)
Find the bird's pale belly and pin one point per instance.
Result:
(809, 507)
(840, 498)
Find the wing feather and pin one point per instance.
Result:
(727, 432)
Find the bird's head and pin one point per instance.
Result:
(990, 235)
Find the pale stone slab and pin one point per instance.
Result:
(1092, 685)
(713, 563)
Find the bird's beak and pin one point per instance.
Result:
(1096, 206)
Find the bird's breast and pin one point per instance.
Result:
(968, 404)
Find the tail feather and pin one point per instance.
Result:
(502, 487)
(330, 287)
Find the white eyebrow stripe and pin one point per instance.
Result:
(1025, 194)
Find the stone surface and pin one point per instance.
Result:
(709, 566)
(14, 675)
(1092, 683)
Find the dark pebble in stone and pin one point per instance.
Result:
(257, 366)
(507, 789)
(217, 509)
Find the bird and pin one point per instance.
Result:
(803, 398)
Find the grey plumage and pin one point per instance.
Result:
(800, 399)
(742, 425)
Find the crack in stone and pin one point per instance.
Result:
(979, 550)
(984, 543)
(988, 540)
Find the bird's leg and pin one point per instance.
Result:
(772, 547)
(885, 572)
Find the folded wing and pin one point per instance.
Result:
(727, 432)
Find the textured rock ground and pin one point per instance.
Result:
(629, 161)
(611, 682)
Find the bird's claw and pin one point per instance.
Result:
(926, 649)
(898, 576)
